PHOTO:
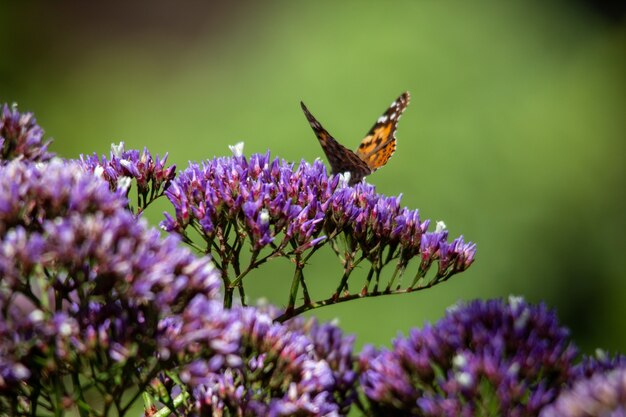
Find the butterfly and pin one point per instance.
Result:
(373, 152)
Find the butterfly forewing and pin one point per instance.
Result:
(340, 158)
(380, 142)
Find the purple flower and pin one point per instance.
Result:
(487, 356)
(21, 137)
(604, 394)
(288, 209)
(261, 198)
(84, 283)
(239, 362)
(31, 195)
(150, 173)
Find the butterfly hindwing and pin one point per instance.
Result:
(340, 158)
(380, 142)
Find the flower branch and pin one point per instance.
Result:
(269, 204)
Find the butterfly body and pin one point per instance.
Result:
(373, 152)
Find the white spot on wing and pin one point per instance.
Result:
(382, 119)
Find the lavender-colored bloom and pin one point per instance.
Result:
(21, 137)
(150, 173)
(31, 195)
(84, 283)
(296, 207)
(484, 357)
(604, 394)
(262, 196)
(242, 363)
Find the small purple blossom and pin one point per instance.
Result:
(604, 394)
(502, 358)
(21, 137)
(151, 174)
(84, 283)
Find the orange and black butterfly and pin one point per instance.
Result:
(373, 152)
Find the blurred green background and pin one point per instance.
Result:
(515, 135)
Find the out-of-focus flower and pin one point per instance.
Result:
(331, 344)
(21, 137)
(84, 283)
(242, 363)
(151, 174)
(603, 394)
(600, 363)
(32, 194)
(483, 358)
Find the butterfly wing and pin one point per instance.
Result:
(340, 158)
(380, 142)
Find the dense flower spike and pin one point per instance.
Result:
(290, 210)
(604, 394)
(242, 363)
(83, 287)
(151, 174)
(483, 358)
(21, 137)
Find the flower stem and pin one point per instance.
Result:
(297, 279)
(289, 313)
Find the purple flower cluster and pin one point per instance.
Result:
(31, 195)
(375, 222)
(84, 283)
(21, 137)
(294, 208)
(483, 358)
(150, 173)
(261, 197)
(242, 363)
(604, 394)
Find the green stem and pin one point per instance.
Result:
(242, 295)
(366, 287)
(399, 269)
(305, 290)
(348, 268)
(297, 278)
(83, 408)
(178, 401)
